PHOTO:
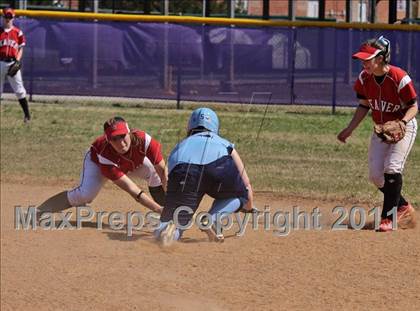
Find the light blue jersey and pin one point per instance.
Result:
(201, 149)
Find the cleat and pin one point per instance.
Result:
(167, 235)
(386, 225)
(404, 211)
(211, 232)
(213, 236)
(154, 216)
(406, 216)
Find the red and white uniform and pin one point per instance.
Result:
(103, 163)
(387, 100)
(11, 40)
(114, 165)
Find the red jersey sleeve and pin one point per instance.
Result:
(358, 85)
(153, 151)
(406, 89)
(21, 39)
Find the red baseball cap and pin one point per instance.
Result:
(366, 52)
(8, 12)
(117, 129)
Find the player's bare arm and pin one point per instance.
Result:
(358, 117)
(126, 184)
(411, 112)
(241, 168)
(19, 54)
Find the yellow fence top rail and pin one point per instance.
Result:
(211, 20)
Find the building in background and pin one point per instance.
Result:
(335, 10)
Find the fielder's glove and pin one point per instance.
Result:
(391, 132)
(14, 68)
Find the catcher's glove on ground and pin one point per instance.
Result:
(391, 132)
(14, 68)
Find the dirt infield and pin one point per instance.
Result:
(89, 269)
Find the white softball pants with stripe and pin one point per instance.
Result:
(92, 180)
(16, 82)
(390, 158)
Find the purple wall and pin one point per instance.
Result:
(300, 65)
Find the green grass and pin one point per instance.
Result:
(295, 153)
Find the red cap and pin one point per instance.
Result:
(366, 52)
(8, 12)
(119, 128)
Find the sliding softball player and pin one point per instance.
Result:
(204, 163)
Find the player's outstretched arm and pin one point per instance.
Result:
(358, 116)
(241, 168)
(131, 188)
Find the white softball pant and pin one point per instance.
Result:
(16, 82)
(92, 180)
(390, 158)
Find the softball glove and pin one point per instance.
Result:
(14, 68)
(391, 132)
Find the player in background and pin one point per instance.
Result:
(204, 163)
(389, 93)
(116, 155)
(12, 42)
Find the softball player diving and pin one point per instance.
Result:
(116, 155)
(203, 163)
(389, 93)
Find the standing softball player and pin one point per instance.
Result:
(203, 163)
(389, 92)
(12, 42)
(113, 156)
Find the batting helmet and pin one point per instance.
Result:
(205, 118)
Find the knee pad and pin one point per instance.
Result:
(393, 182)
(392, 192)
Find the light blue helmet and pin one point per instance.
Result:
(204, 117)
